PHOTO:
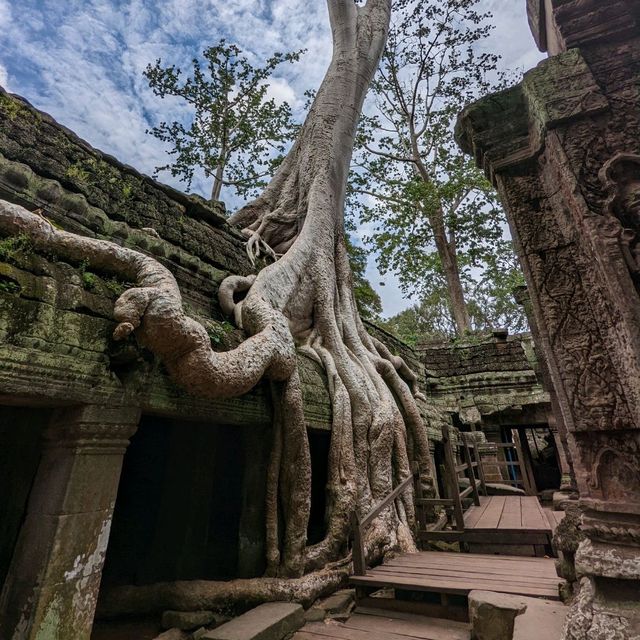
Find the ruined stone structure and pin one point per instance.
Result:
(563, 149)
(81, 509)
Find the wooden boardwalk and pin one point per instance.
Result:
(501, 522)
(376, 624)
(459, 573)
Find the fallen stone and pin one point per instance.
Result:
(173, 634)
(269, 621)
(499, 489)
(314, 614)
(339, 602)
(492, 615)
(187, 620)
(560, 500)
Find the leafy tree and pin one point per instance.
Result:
(435, 219)
(236, 135)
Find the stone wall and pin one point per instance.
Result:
(486, 381)
(55, 318)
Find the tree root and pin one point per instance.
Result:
(198, 595)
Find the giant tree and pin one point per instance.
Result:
(435, 219)
(303, 301)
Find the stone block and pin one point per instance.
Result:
(492, 615)
(173, 634)
(339, 602)
(315, 614)
(543, 620)
(269, 621)
(560, 499)
(188, 620)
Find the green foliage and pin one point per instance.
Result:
(7, 285)
(234, 133)
(78, 173)
(89, 280)
(219, 331)
(14, 246)
(425, 202)
(9, 106)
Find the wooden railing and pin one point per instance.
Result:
(471, 466)
(359, 525)
(515, 463)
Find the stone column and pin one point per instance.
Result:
(563, 150)
(52, 586)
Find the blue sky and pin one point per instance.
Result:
(82, 62)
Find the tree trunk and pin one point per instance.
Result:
(449, 259)
(302, 301)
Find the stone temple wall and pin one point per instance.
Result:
(486, 382)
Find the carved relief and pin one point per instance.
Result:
(616, 476)
(613, 465)
(621, 178)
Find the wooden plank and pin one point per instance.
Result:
(450, 585)
(489, 536)
(511, 514)
(452, 612)
(474, 513)
(497, 568)
(478, 556)
(316, 630)
(467, 575)
(491, 516)
(406, 624)
(532, 515)
(507, 571)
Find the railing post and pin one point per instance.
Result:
(472, 473)
(478, 458)
(452, 476)
(357, 551)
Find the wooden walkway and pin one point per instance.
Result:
(508, 521)
(459, 573)
(376, 624)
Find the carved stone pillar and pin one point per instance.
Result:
(51, 590)
(563, 149)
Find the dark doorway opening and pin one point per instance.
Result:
(20, 451)
(180, 503)
(319, 444)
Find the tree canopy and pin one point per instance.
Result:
(234, 133)
(434, 219)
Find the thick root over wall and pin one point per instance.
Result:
(302, 301)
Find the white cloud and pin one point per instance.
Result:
(4, 78)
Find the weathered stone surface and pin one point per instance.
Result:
(270, 621)
(492, 615)
(189, 620)
(173, 634)
(339, 602)
(543, 620)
